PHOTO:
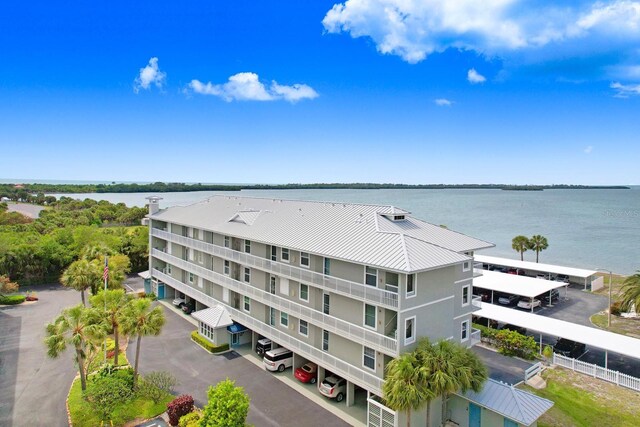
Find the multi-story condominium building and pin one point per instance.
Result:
(346, 286)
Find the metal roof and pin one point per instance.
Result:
(216, 317)
(352, 232)
(535, 266)
(145, 274)
(518, 405)
(594, 337)
(513, 284)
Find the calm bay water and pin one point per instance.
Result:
(585, 228)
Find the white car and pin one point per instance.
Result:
(528, 303)
(179, 301)
(333, 387)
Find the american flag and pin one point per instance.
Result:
(105, 273)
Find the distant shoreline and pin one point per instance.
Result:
(12, 190)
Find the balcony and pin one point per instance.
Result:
(475, 337)
(382, 343)
(476, 301)
(332, 363)
(359, 291)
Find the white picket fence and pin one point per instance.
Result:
(596, 371)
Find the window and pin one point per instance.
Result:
(303, 328)
(466, 266)
(191, 278)
(168, 268)
(272, 316)
(247, 274)
(464, 331)
(325, 303)
(187, 254)
(199, 257)
(284, 319)
(371, 276)
(272, 285)
(465, 294)
(411, 285)
(369, 359)
(227, 242)
(409, 330)
(247, 246)
(304, 259)
(285, 255)
(247, 304)
(304, 292)
(325, 340)
(274, 253)
(227, 267)
(327, 266)
(370, 315)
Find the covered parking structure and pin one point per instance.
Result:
(593, 337)
(528, 287)
(575, 275)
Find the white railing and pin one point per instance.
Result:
(332, 363)
(532, 371)
(475, 336)
(476, 301)
(379, 415)
(380, 342)
(360, 291)
(596, 371)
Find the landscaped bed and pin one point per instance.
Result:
(581, 400)
(619, 325)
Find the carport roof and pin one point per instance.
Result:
(535, 266)
(513, 284)
(594, 337)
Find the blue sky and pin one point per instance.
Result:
(498, 91)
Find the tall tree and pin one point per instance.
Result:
(80, 327)
(227, 405)
(451, 368)
(81, 275)
(538, 243)
(520, 244)
(405, 387)
(112, 304)
(631, 293)
(139, 320)
(119, 266)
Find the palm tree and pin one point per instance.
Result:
(95, 251)
(451, 368)
(520, 244)
(631, 292)
(404, 387)
(112, 304)
(79, 326)
(538, 243)
(80, 275)
(140, 319)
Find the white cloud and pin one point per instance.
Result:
(625, 91)
(248, 87)
(150, 74)
(588, 149)
(474, 77)
(617, 17)
(443, 102)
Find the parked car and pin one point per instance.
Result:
(333, 387)
(179, 300)
(485, 295)
(528, 303)
(264, 345)
(307, 373)
(278, 359)
(517, 271)
(555, 296)
(515, 328)
(508, 299)
(541, 276)
(563, 278)
(569, 348)
(189, 307)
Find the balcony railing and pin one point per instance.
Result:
(380, 342)
(475, 336)
(330, 362)
(476, 301)
(378, 296)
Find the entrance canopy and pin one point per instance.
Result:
(215, 317)
(535, 266)
(593, 337)
(513, 284)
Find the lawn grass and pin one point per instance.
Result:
(581, 400)
(82, 414)
(99, 360)
(616, 284)
(619, 325)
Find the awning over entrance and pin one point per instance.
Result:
(214, 317)
(236, 327)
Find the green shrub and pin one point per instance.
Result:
(208, 345)
(547, 352)
(111, 344)
(512, 343)
(615, 308)
(156, 385)
(192, 419)
(12, 299)
(106, 392)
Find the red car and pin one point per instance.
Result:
(307, 373)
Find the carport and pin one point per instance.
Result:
(593, 337)
(576, 275)
(528, 287)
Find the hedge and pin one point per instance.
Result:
(208, 345)
(509, 343)
(12, 299)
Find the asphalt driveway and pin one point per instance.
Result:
(502, 368)
(33, 387)
(273, 403)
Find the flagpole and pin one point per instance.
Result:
(105, 276)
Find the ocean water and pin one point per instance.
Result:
(585, 228)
